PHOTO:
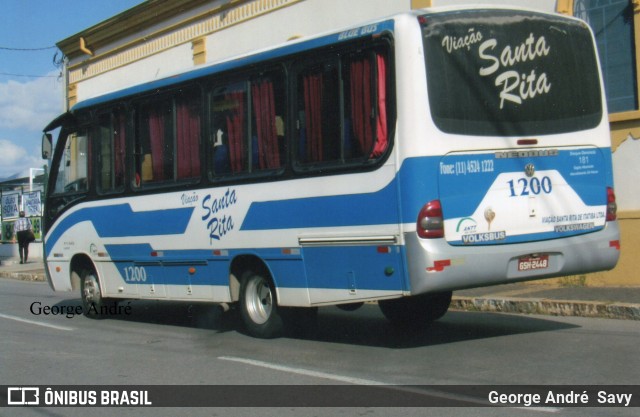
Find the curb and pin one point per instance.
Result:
(24, 276)
(548, 307)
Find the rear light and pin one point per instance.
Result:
(612, 206)
(527, 142)
(430, 224)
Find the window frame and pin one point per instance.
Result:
(244, 78)
(341, 56)
(170, 96)
(97, 162)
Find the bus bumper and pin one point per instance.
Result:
(436, 266)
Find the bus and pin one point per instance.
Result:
(394, 161)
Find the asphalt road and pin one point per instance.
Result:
(180, 344)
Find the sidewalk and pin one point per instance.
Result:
(524, 298)
(31, 271)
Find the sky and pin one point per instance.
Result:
(31, 90)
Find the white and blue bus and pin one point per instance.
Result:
(394, 161)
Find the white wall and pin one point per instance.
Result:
(151, 68)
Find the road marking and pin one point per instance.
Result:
(37, 323)
(300, 371)
(361, 381)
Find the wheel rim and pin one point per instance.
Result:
(259, 300)
(91, 290)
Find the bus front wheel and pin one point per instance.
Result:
(93, 301)
(416, 310)
(259, 307)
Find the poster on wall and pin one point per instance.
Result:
(36, 226)
(10, 206)
(7, 231)
(32, 204)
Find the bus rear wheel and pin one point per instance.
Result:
(416, 310)
(259, 307)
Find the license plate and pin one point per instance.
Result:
(531, 263)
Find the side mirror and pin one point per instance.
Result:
(47, 145)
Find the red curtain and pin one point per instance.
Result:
(313, 114)
(382, 132)
(361, 104)
(265, 115)
(157, 139)
(119, 148)
(188, 138)
(236, 130)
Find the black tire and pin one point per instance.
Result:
(350, 306)
(93, 302)
(259, 307)
(416, 310)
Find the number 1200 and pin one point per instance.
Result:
(135, 274)
(530, 186)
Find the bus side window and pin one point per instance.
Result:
(268, 108)
(187, 107)
(343, 109)
(72, 174)
(154, 141)
(366, 113)
(228, 117)
(319, 134)
(110, 147)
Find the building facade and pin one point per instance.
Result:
(159, 38)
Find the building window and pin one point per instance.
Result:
(612, 22)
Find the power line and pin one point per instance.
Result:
(6, 48)
(27, 75)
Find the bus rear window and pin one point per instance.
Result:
(510, 73)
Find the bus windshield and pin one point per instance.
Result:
(496, 73)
